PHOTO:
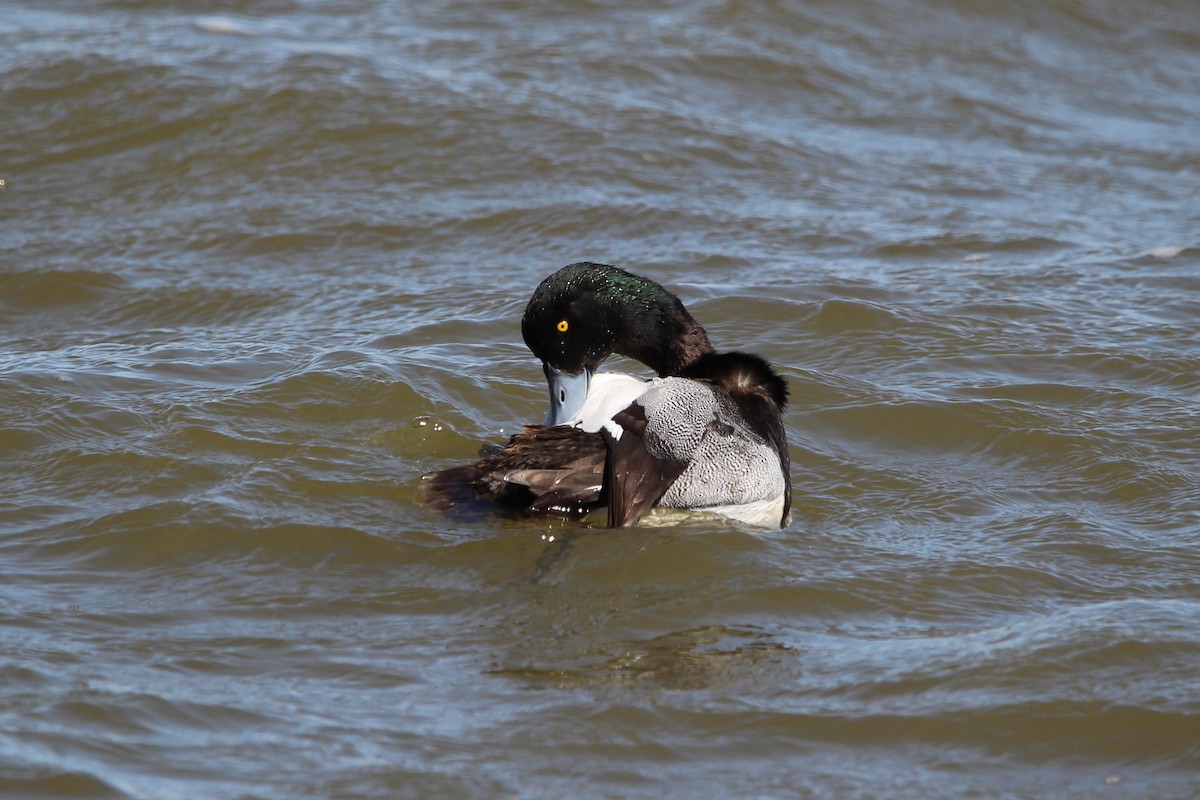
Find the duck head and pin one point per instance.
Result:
(585, 312)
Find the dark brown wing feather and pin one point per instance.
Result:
(541, 468)
(634, 480)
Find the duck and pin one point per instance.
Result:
(705, 434)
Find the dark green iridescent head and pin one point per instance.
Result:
(585, 312)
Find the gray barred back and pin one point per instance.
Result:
(729, 464)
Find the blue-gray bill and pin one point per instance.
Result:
(567, 393)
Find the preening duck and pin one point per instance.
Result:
(706, 434)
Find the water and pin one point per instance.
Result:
(262, 266)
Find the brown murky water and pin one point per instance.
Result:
(262, 265)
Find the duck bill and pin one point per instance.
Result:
(567, 393)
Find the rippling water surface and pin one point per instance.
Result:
(262, 265)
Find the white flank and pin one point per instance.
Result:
(763, 513)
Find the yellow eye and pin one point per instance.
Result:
(562, 326)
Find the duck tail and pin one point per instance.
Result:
(742, 375)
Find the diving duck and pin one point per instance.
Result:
(706, 434)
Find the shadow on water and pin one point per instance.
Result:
(556, 550)
(695, 659)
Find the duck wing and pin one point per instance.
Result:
(541, 468)
(634, 478)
